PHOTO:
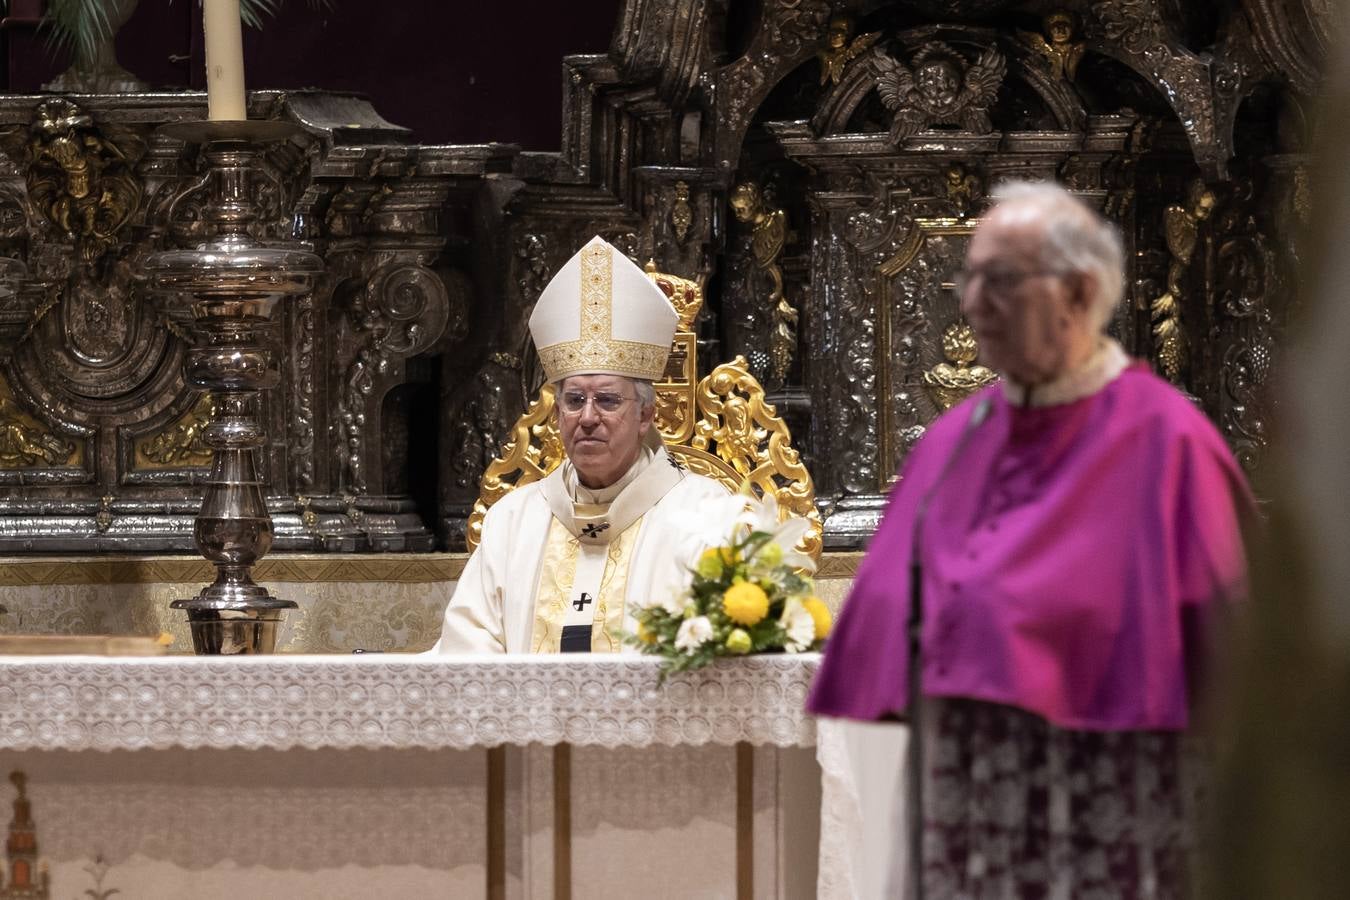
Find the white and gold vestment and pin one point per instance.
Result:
(548, 561)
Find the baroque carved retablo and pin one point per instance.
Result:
(942, 89)
(769, 234)
(25, 442)
(80, 181)
(839, 50)
(179, 443)
(1056, 47)
(1182, 228)
(957, 378)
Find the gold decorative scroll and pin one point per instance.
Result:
(178, 444)
(675, 392)
(26, 443)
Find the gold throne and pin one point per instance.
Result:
(721, 427)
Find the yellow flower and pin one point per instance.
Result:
(645, 635)
(738, 641)
(745, 603)
(771, 554)
(710, 563)
(820, 614)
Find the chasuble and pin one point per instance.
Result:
(559, 567)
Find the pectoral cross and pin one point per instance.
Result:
(593, 531)
(579, 604)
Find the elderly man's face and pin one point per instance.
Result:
(601, 443)
(1032, 325)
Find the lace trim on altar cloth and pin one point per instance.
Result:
(69, 703)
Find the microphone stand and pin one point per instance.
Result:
(914, 761)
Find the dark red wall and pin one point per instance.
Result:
(454, 71)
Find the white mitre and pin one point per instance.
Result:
(602, 315)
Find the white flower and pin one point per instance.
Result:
(762, 515)
(696, 632)
(710, 523)
(800, 627)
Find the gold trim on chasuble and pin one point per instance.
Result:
(596, 350)
(558, 571)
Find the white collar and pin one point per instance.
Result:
(582, 494)
(1100, 369)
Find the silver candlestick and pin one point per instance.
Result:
(233, 284)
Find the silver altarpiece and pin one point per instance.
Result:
(819, 166)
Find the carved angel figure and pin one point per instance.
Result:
(963, 188)
(79, 180)
(1056, 46)
(22, 445)
(767, 237)
(1181, 228)
(941, 90)
(839, 51)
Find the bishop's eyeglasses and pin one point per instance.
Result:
(995, 281)
(573, 402)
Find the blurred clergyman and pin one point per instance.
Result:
(1077, 527)
(561, 557)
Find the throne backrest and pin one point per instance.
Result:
(721, 427)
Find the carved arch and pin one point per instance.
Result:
(839, 104)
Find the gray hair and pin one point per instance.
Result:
(1077, 240)
(646, 392)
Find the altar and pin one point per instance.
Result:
(405, 776)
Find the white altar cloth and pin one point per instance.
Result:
(188, 726)
(376, 701)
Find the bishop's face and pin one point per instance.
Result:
(1032, 324)
(601, 442)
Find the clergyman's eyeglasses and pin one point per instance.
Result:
(573, 402)
(996, 282)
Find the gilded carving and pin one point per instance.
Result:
(681, 213)
(962, 188)
(1182, 228)
(956, 379)
(103, 519)
(77, 179)
(942, 89)
(768, 235)
(180, 443)
(27, 443)
(839, 50)
(1056, 45)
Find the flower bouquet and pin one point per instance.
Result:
(750, 593)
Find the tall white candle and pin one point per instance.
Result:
(224, 60)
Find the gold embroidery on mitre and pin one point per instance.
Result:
(596, 349)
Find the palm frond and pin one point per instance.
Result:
(80, 26)
(254, 11)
